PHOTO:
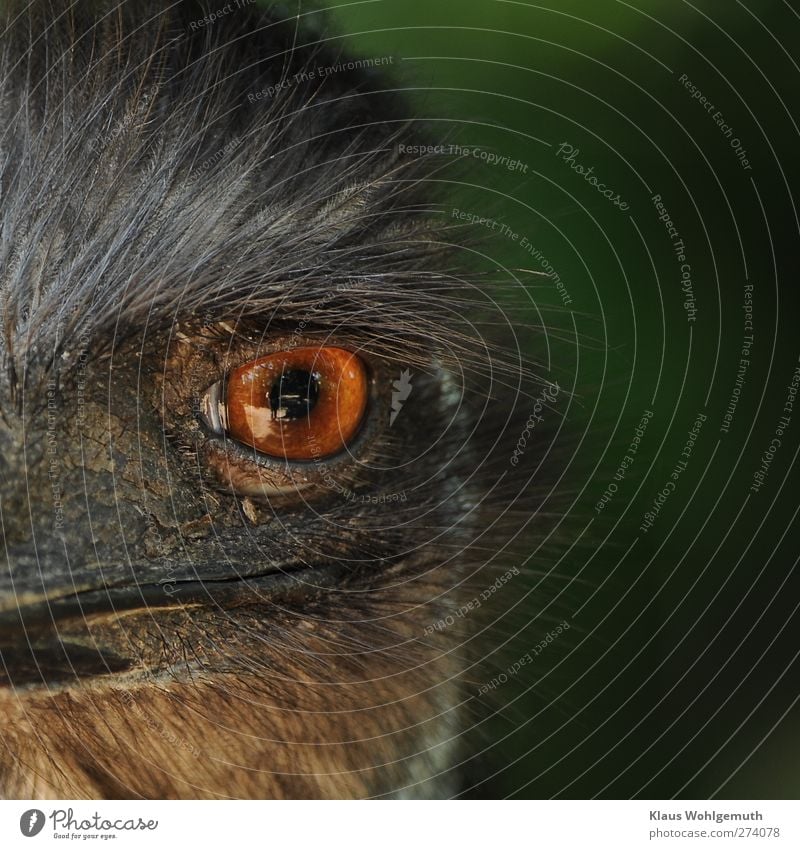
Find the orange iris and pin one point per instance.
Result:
(302, 404)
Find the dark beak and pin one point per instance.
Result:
(53, 632)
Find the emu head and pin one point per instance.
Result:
(245, 415)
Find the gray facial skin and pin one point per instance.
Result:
(180, 615)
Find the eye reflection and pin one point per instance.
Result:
(294, 394)
(302, 404)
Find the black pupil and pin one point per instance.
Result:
(294, 394)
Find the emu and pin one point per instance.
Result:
(249, 418)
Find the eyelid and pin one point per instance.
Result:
(213, 410)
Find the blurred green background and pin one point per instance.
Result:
(680, 675)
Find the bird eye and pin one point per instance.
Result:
(301, 404)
